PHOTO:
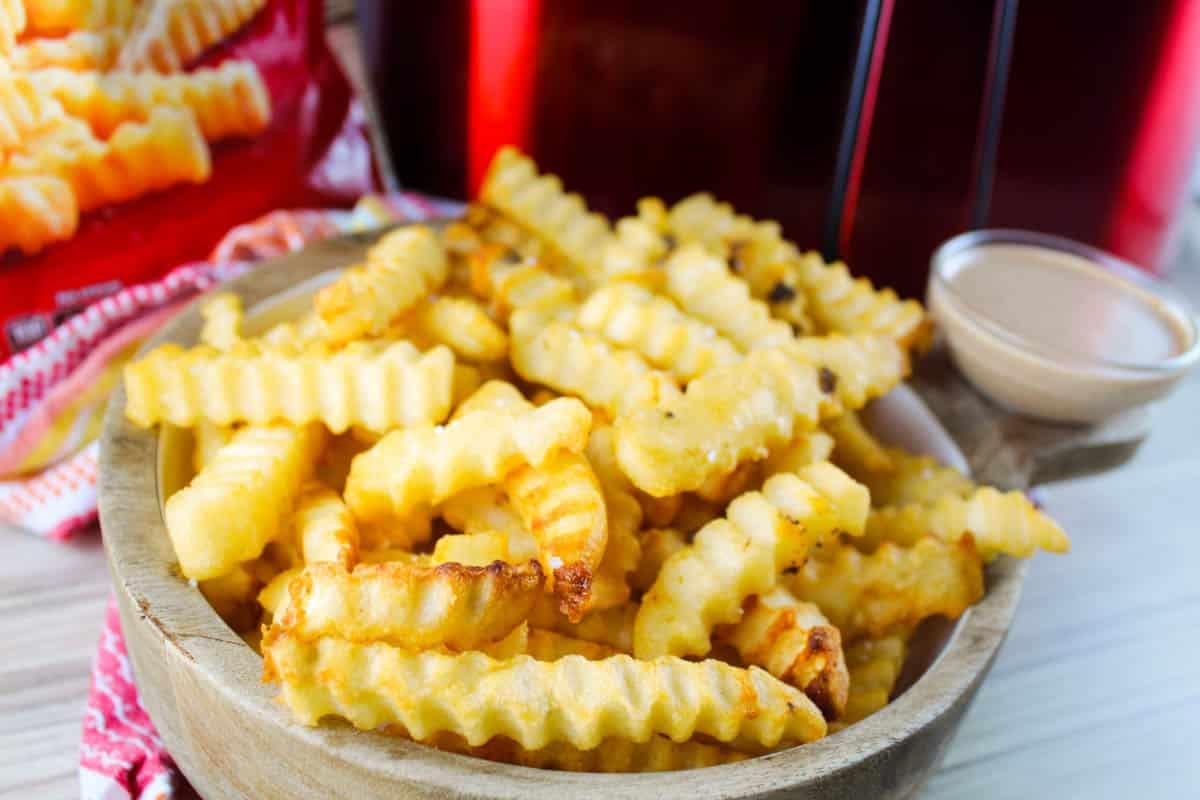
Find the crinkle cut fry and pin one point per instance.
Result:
(857, 368)
(24, 112)
(229, 101)
(630, 316)
(402, 269)
(702, 286)
(1001, 523)
(241, 499)
(479, 698)
(612, 627)
(763, 533)
(139, 158)
(179, 386)
(513, 186)
(875, 666)
(168, 35)
(222, 315)
(914, 479)
(79, 50)
(794, 642)
(37, 210)
(429, 464)
(323, 527)
(729, 415)
(410, 605)
(659, 754)
(856, 449)
(870, 594)
(56, 17)
(558, 355)
(12, 23)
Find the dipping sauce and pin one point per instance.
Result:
(1065, 302)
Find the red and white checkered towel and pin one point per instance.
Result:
(52, 397)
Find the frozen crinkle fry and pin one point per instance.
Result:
(763, 533)
(430, 464)
(168, 35)
(537, 202)
(241, 500)
(874, 666)
(410, 605)
(37, 210)
(659, 754)
(794, 642)
(729, 415)
(870, 594)
(401, 269)
(571, 361)
(630, 316)
(56, 17)
(12, 23)
(25, 112)
(79, 50)
(229, 101)
(473, 696)
(137, 159)
(222, 315)
(179, 386)
(323, 528)
(1001, 523)
(701, 285)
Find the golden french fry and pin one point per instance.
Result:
(482, 510)
(875, 666)
(37, 210)
(241, 500)
(1001, 523)
(841, 303)
(869, 594)
(914, 479)
(459, 323)
(856, 368)
(855, 449)
(229, 101)
(551, 646)
(622, 554)
(513, 186)
(630, 316)
(12, 23)
(702, 286)
(729, 415)
(409, 605)
(56, 17)
(472, 695)
(334, 464)
(139, 158)
(806, 448)
(571, 361)
(659, 754)
(609, 626)
(79, 50)
(168, 35)
(25, 113)
(500, 275)
(222, 314)
(180, 386)
(429, 464)
(658, 545)
(720, 489)
(483, 547)
(209, 438)
(323, 527)
(641, 244)
(401, 269)
(275, 592)
(794, 642)
(705, 584)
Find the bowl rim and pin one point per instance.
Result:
(1147, 289)
(145, 574)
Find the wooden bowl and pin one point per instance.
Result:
(201, 684)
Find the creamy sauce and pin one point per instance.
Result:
(1066, 302)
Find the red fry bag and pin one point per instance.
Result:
(316, 153)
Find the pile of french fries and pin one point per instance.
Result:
(96, 108)
(536, 488)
